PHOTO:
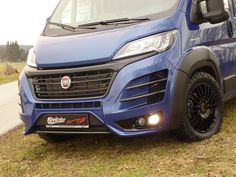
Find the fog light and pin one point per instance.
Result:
(141, 121)
(153, 119)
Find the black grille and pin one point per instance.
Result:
(83, 85)
(68, 105)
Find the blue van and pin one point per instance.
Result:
(131, 68)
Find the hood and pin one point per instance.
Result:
(92, 48)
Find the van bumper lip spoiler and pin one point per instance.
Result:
(72, 132)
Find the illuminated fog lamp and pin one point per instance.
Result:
(153, 120)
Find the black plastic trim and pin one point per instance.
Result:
(143, 96)
(114, 65)
(146, 84)
(201, 57)
(230, 83)
(72, 132)
(177, 99)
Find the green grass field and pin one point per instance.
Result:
(13, 77)
(106, 156)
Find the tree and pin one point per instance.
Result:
(13, 52)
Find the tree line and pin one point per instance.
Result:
(12, 52)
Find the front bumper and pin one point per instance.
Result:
(112, 110)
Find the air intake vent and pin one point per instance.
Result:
(68, 105)
(83, 85)
(148, 89)
(159, 86)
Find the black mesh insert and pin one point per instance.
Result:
(83, 85)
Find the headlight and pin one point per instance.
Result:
(156, 43)
(31, 61)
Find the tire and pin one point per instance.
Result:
(54, 138)
(204, 108)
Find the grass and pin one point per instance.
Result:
(105, 156)
(13, 77)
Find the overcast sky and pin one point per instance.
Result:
(24, 20)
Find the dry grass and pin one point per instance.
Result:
(158, 155)
(13, 77)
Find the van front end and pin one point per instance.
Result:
(128, 97)
(113, 76)
(130, 68)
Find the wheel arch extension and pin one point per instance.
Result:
(201, 59)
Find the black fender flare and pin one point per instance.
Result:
(198, 58)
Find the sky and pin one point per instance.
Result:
(24, 20)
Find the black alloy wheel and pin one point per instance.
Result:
(204, 108)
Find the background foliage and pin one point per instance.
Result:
(13, 52)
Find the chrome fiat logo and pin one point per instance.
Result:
(66, 82)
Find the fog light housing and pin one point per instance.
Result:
(153, 120)
(141, 122)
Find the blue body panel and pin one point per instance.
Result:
(100, 47)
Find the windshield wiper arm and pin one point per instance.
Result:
(117, 21)
(68, 27)
(133, 20)
(63, 26)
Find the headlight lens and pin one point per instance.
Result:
(31, 61)
(156, 43)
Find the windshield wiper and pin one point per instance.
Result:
(68, 27)
(93, 24)
(63, 26)
(116, 21)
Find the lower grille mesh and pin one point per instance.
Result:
(81, 105)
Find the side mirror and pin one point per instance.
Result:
(212, 11)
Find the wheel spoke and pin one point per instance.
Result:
(194, 99)
(208, 91)
(194, 106)
(193, 111)
(211, 98)
(196, 120)
(201, 124)
(212, 106)
(207, 124)
(194, 117)
(199, 92)
(202, 91)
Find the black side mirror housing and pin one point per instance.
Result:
(212, 11)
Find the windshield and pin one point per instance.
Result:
(78, 12)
